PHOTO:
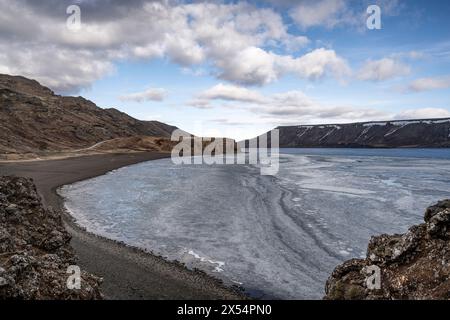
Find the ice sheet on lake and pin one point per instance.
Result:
(278, 236)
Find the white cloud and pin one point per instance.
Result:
(254, 66)
(231, 93)
(415, 55)
(291, 106)
(251, 66)
(236, 39)
(199, 72)
(424, 113)
(409, 55)
(318, 13)
(426, 84)
(224, 35)
(338, 13)
(384, 69)
(315, 64)
(151, 94)
(200, 104)
(61, 69)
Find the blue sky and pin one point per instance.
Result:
(238, 69)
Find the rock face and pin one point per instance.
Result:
(34, 248)
(34, 119)
(414, 133)
(414, 265)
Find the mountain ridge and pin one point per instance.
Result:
(371, 134)
(35, 119)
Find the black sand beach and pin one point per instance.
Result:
(128, 273)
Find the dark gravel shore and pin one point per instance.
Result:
(128, 273)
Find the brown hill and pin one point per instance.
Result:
(35, 120)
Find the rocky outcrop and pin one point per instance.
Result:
(36, 120)
(388, 134)
(414, 265)
(34, 248)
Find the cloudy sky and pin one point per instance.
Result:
(237, 68)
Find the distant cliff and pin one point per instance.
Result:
(388, 134)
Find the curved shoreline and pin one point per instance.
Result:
(128, 272)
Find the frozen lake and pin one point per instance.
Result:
(278, 236)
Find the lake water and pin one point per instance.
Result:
(277, 236)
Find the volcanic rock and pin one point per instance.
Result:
(34, 248)
(414, 265)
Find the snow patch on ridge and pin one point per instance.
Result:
(404, 123)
